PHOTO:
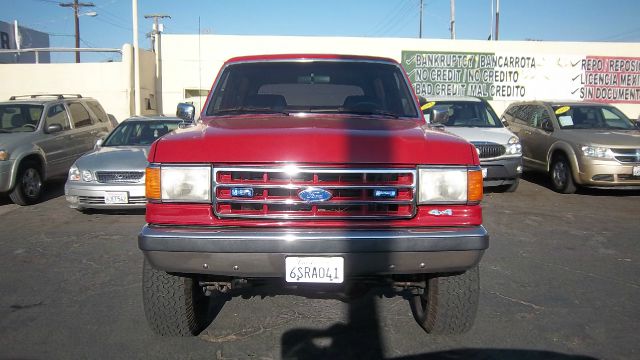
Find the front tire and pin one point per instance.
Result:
(173, 305)
(561, 176)
(449, 304)
(28, 187)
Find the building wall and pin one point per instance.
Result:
(111, 83)
(192, 62)
(29, 38)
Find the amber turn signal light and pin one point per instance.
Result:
(474, 186)
(152, 183)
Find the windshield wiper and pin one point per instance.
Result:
(250, 110)
(372, 112)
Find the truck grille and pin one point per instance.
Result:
(353, 193)
(487, 150)
(627, 155)
(119, 177)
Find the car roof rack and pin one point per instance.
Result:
(35, 96)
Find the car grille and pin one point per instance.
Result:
(275, 193)
(119, 177)
(487, 150)
(627, 155)
(99, 200)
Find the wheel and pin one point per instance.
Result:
(512, 187)
(449, 304)
(561, 177)
(28, 187)
(174, 305)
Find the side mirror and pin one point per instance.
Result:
(547, 126)
(422, 100)
(186, 111)
(439, 116)
(53, 128)
(99, 143)
(504, 121)
(638, 123)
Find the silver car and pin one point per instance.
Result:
(112, 176)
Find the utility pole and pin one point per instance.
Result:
(76, 9)
(157, 48)
(137, 97)
(421, 7)
(453, 20)
(497, 18)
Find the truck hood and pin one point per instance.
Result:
(498, 135)
(122, 158)
(605, 138)
(304, 138)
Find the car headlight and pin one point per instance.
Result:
(597, 152)
(74, 173)
(178, 183)
(4, 155)
(513, 146)
(449, 185)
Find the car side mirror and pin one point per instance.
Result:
(439, 116)
(638, 123)
(546, 126)
(186, 111)
(422, 100)
(504, 121)
(99, 143)
(53, 128)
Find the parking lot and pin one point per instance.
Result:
(559, 281)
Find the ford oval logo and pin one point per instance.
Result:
(313, 194)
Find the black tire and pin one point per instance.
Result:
(449, 304)
(511, 187)
(174, 305)
(28, 187)
(561, 175)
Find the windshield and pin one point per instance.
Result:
(344, 87)
(20, 117)
(463, 113)
(139, 133)
(592, 117)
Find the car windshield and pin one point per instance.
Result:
(285, 87)
(592, 117)
(139, 133)
(19, 117)
(463, 113)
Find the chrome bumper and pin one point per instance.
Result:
(262, 252)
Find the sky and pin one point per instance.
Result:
(546, 20)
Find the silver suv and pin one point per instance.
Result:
(41, 136)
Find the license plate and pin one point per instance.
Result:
(636, 171)
(314, 269)
(119, 197)
(484, 173)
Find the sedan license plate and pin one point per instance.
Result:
(484, 173)
(314, 269)
(119, 197)
(636, 171)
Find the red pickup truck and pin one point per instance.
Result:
(320, 173)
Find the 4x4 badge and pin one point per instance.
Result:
(437, 212)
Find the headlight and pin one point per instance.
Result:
(449, 185)
(513, 146)
(597, 152)
(74, 173)
(4, 155)
(179, 183)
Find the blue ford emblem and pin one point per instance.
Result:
(312, 194)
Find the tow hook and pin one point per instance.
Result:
(222, 287)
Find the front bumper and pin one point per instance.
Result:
(502, 171)
(244, 252)
(607, 173)
(92, 196)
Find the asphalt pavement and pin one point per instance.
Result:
(559, 281)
